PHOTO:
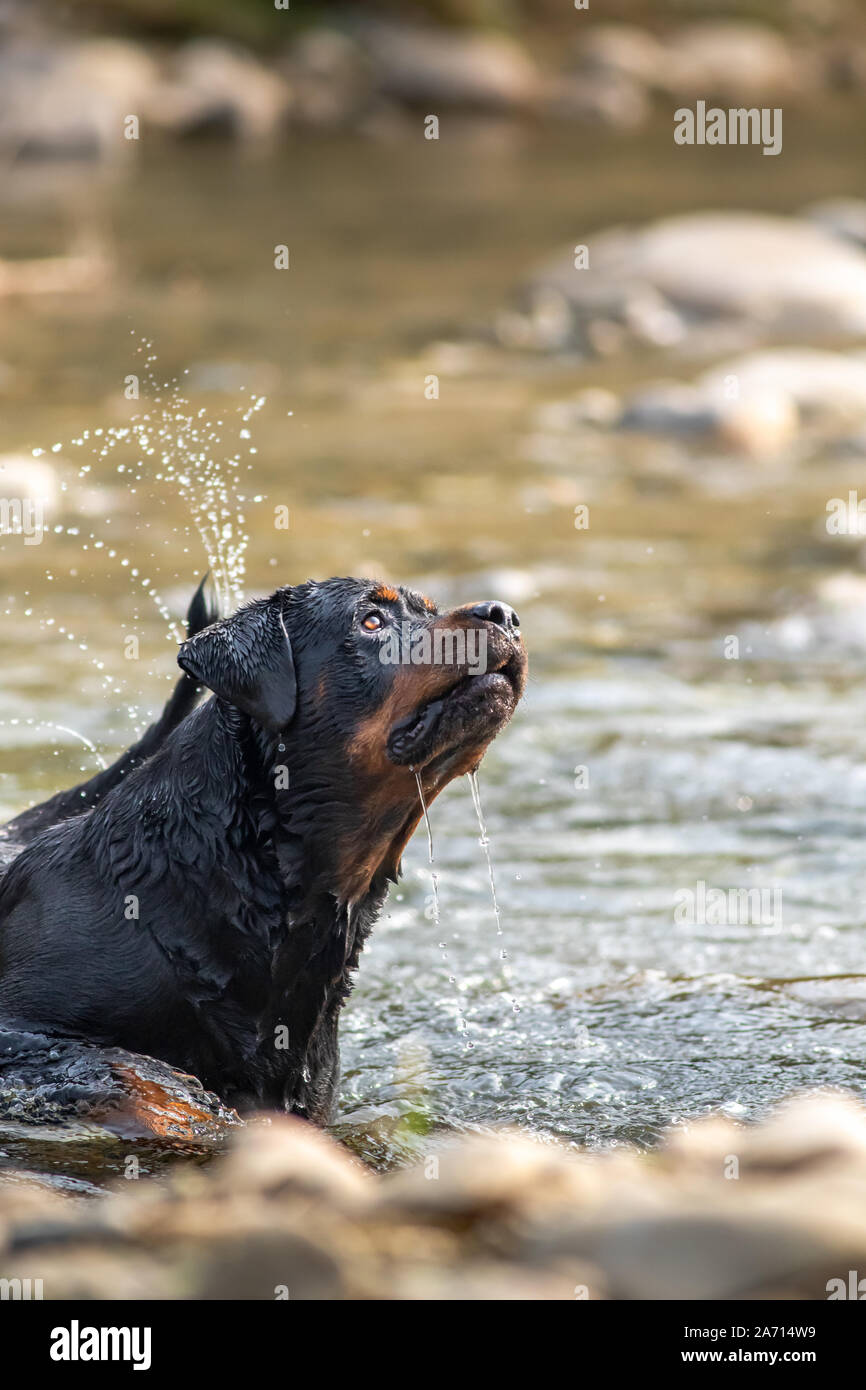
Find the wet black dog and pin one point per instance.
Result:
(211, 907)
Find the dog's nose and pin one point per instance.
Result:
(502, 614)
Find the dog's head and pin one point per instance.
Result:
(363, 685)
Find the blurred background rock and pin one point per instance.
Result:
(252, 68)
(720, 1212)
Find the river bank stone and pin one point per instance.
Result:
(61, 96)
(695, 279)
(420, 65)
(719, 1210)
(757, 404)
(216, 87)
(732, 61)
(68, 100)
(844, 217)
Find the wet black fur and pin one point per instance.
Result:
(241, 935)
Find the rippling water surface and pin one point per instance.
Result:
(643, 762)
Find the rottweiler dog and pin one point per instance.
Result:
(208, 908)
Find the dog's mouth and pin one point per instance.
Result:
(471, 713)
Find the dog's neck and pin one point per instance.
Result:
(300, 818)
(245, 812)
(334, 835)
(265, 844)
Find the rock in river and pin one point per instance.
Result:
(692, 277)
(420, 65)
(721, 1210)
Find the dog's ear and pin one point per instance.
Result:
(247, 661)
(203, 608)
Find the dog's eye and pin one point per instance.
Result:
(372, 622)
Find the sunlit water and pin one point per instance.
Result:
(631, 1020)
(642, 762)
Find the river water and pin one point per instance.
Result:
(646, 760)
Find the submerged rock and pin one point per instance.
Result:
(827, 389)
(674, 280)
(668, 407)
(756, 404)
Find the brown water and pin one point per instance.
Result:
(740, 774)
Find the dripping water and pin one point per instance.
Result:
(60, 728)
(46, 725)
(484, 841)
(437, 916)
